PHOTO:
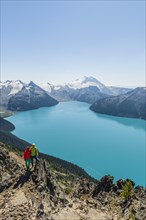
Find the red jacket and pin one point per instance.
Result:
(27, 154)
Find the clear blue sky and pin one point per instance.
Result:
(58, 41)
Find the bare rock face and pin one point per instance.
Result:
(8, 167)
(48, 193)
(105, 184)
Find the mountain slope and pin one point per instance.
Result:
(20, 96)
(48, 192)
(30, 97)
(6, 125)
(131, 104)
(90, 94)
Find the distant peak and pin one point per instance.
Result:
(18, 81)
(89, 79)
(32, 83)
(86, 81)
(8, 81)
(13, 81)
(48, 83)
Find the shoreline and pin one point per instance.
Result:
(7, 113)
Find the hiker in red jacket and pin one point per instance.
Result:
(27, 154)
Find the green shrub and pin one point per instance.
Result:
(128, 190)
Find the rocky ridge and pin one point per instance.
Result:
(49, 193)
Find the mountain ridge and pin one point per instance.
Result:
(131, 104)
(86, 89)
(82, 90)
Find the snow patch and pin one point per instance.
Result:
(46, 86)
(57, 87)
(16, 87)
(85, 82)
(13, 86)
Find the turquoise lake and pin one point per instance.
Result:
(100, 144)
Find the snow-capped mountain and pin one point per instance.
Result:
(89, 81)
(59, 92)
(85, 82)
(85, 89)
(12, 87)
(131, 104)
(8, 89)
(17, 95)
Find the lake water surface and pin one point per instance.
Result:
(98, 143)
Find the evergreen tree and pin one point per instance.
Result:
(128, 190)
